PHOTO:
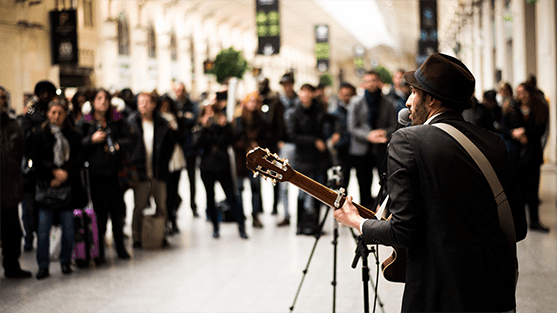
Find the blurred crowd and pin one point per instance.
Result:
(143, 141)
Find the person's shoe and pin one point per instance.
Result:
(257, 223)
(195, 214)
(165, 243)
(216, 234)
(275, 211)
(43, 273)
(122, 253)
(28, 247)
(538, 227)
(66, 268)
(100, 260)
(19, 273)
(284, 222)
(242, 230)
(137, 245)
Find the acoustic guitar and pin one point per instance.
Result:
(261, 161)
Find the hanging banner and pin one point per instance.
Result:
(359, 61)
(63, 37)
(268, 26)
(428, 43)
(322, 49)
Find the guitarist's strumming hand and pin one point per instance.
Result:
(348, 215)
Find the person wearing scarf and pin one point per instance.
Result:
(56, 153)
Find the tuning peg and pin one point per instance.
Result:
(265, 177)
(274, 182)
(276, 156)
(267, 150)
(255, 174)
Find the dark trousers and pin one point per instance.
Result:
(11, 235)
(209, 179)
(528, 179)
(172, 196)
(364, 172)
(108, 200)
(345, 162)
(191, 165)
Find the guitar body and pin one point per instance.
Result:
(261, 161)
(394, 267)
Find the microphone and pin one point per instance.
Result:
(404, 117)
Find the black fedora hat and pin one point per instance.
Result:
(445, 78)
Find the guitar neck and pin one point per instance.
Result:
(324, 194)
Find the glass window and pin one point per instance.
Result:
(151, 41)
(123, 35)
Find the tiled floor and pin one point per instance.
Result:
(200, 274)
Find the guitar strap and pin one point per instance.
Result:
(503, 208)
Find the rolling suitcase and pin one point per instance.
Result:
(86, 229)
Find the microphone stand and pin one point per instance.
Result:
(362, 250)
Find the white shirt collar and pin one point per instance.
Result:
(431, 118)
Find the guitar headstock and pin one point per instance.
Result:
(261, 161)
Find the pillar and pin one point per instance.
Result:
(488, 55)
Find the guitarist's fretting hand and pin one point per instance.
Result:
(348, 215)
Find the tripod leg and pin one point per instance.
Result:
(317, 236)
(334, 282)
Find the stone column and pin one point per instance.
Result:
(139, 56)
(109, 65)
(477, 51)
(164, 83)
(547, 67)
(524, 41)
(500, 42)
(488, 59)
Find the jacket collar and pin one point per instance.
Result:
(445, 116)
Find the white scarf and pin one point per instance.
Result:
(61, 146)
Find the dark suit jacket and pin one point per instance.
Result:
(445, 216)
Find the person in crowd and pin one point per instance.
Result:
(305, 127)
(107, 140)
(371, 120)
(339, 109)
(289, 99)
(399, 90)
(523, 126)
(273, 115)
(35, 114)
(214, 135)
(151, 155)
(321, 95)
(250, 130)
(78, 99)
(168, 110)
(190, 112)
(127, 95)
(506, 97)
(12, 147)
(56, 153)
(479, 115)
(490, 101)
(452, 240)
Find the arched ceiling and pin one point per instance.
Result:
(298, 19)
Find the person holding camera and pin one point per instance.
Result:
(214, 137)
(107, 138)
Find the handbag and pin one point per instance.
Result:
(128, 176)
(53, 197)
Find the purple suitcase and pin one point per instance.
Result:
(87, 232)
(92, 233)
(79, 254)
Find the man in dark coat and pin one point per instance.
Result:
(34, 115)
(12, 145)
(444, 213)
(305, 127)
